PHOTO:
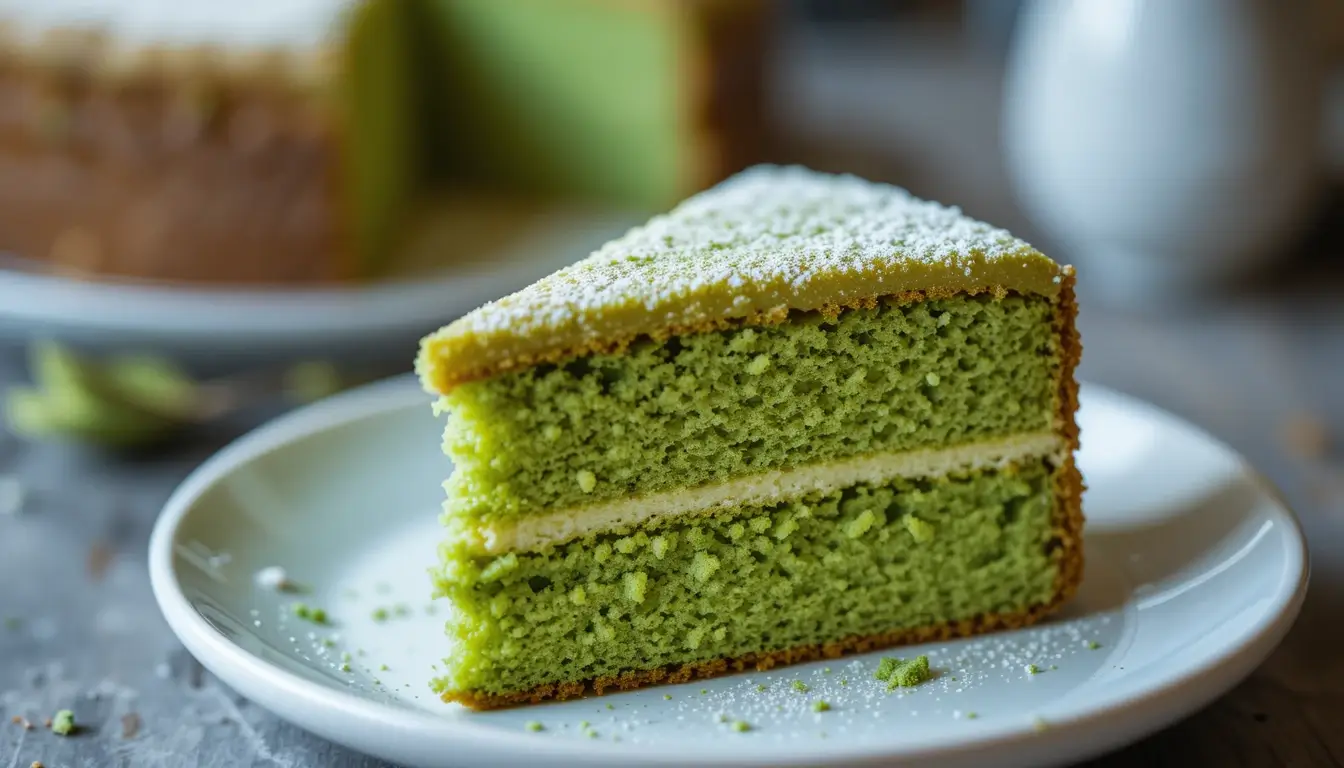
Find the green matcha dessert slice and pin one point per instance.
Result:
(801, 415)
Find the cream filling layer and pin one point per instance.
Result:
(538, 531)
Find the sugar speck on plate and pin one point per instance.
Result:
(274, 578)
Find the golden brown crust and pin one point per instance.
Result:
(1068, 517)
(1067, 545)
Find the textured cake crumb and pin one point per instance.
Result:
(635, 586)
(309, 613)
(800, 686)
(533, 725)
(921, 531)
(63, 723)
(587, 481)
(903, 673)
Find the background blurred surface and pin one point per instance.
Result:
(905, 92)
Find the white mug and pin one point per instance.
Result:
(1163, 144)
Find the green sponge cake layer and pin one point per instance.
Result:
(812, 571)
(709, 407)
(799, 416)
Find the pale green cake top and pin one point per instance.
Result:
(768, 240)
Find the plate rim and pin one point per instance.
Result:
(1114, 723)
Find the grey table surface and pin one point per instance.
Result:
(1247, 366)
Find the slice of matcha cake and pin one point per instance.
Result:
(799, 416)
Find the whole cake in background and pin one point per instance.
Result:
(289, 141)
(799, 416)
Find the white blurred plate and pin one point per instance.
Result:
(1195, 571)
(465, 252)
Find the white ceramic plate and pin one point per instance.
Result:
(1195, 570)
(462, 254)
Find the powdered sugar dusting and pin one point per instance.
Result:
(769, 238)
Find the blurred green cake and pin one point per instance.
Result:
(294, 141)
(800, 415)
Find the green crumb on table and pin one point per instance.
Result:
(741, 726)
(1054, 667)
(800, 686)
(376, 681)
(379, 614)
(533, 725)
(327, 642)
(583, 723)
(722, 718)
(760, 688)
(667, 697)
(382, 667)
(1093, 645)
(826, 671)
(821, 705)
(590, 733)
(1032, 669)
(345, 667)
(971, 715)
(903, 673)
(610, 707)
(63, 723)
(844, 681)
(345, 656)
(704, 691)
